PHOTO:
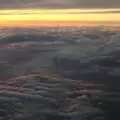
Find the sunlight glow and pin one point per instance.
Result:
(76, 15)
(64, 17)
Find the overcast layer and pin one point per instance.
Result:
(59, 4)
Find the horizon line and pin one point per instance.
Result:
(55, 23)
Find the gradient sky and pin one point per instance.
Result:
(67, 12)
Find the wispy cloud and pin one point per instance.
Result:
(57, 11)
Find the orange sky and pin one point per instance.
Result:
(59, 17)
(52, 23)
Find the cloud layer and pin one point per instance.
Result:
(60, 4)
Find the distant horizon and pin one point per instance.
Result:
(56, 24)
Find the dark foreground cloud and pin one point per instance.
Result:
(41, 98)
(60, 4)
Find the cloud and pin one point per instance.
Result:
(94, 3)
(67, 12)
(97, 63)
(60, 4)
(42, 98)
(29, 98)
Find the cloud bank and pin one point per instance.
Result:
(60, 4)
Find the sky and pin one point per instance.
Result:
(59, 12)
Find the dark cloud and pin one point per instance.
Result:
(32, 4)
(60, 4)
(95, 3)
(34, 98)
(23, 59)
(41, 98)
(97, 63)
